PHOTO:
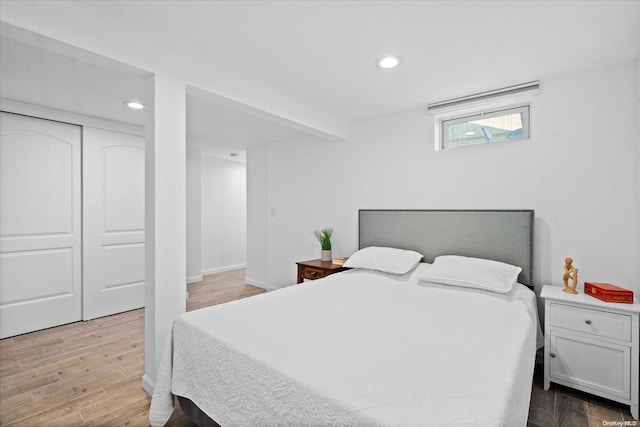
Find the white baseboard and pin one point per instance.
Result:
(258, 284)
(148, 385)
(194, 279)
(223, 269)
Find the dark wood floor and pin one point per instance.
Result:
(565, 407)
(89, 373)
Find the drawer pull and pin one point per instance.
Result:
(313, 273)
(552, 354)
(588, 322)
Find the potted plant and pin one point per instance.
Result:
(324, 237)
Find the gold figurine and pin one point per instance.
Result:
(570, 275)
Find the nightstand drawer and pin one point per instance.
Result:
(312, 273)
(602, 323)
(317, 269)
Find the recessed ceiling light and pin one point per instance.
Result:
(390, 61)
(135, 105)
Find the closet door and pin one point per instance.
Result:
(40, 224)
(113, 230)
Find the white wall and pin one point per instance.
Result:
(165, 216)
(224, 215)
(580, 174)
(257, 217)
(194, 208)
(637, 144)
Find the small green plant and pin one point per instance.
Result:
(324, 237)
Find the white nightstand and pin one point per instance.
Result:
(591, 345)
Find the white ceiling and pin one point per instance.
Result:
(234, 130)
(44, 77)
(311, 63)
(49, 78)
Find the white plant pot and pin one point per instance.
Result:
(326, 255)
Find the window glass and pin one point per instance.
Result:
(486, 127)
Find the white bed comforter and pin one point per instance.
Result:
(356, 348)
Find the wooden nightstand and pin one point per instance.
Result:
(591, 345)
(317, 269)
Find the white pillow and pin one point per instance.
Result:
(475, 273)
(389, 260)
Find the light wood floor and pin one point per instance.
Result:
(89, 373)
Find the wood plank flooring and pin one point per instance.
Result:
(564, 407)
(89, 373)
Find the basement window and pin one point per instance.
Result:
(485, 118)
(486, 127)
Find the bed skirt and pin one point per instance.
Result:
(195, 414)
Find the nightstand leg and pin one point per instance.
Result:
(634, 411)
(547, 375)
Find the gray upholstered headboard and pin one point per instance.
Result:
(500, 235)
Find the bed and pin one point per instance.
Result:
(370, 347)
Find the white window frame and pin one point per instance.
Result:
(484, 105)
(526, 120)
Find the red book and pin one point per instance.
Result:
(608, 292)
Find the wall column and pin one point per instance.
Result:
(194, 216)
(258, 217)
(165, 216)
